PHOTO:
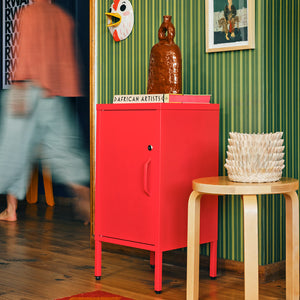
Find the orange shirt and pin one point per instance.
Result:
(46, 49)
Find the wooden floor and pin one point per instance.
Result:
(47, 255)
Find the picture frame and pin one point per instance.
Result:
(230, 25)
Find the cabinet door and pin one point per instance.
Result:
(126, 174)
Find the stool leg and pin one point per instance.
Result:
(193, 240)
(32, 193)
(292, 246)
(48, 186)
(250, 247)
(213, 259)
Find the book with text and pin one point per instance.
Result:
(161, 98)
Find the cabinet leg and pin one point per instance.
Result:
(158, 272)
(98, 257)
(213, 260)
(152, 259)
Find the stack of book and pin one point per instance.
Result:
(161, 98)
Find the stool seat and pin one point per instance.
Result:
(221, 185)
(248, 191)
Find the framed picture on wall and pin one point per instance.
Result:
(230, 25)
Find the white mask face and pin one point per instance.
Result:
(120, 19)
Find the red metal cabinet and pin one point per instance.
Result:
(146, 158)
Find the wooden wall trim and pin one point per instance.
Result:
(93, 70)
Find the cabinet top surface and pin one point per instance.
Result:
(157, 106)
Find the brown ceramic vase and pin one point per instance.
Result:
(165, 65)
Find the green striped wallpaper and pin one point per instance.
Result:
(257, 91)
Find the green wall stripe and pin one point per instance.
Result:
(258, 91)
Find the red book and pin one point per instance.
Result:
(181, 98)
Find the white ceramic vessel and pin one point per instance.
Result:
(255, 157)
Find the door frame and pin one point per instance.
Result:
(93, 101)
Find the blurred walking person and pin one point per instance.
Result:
(36, 122)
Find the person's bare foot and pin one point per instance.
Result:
(10, 213)
(7, 216)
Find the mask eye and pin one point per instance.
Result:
(123, 7)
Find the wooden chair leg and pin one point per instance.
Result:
(48, 186)
(32, 193)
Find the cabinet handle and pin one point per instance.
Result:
(146, 175)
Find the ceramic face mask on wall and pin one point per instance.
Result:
(120, 19)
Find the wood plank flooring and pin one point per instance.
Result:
(46, 254)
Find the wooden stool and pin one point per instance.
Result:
(248, 192)
(32, 193)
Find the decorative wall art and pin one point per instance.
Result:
(230, 25)
(120, 19)
(10, 8)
